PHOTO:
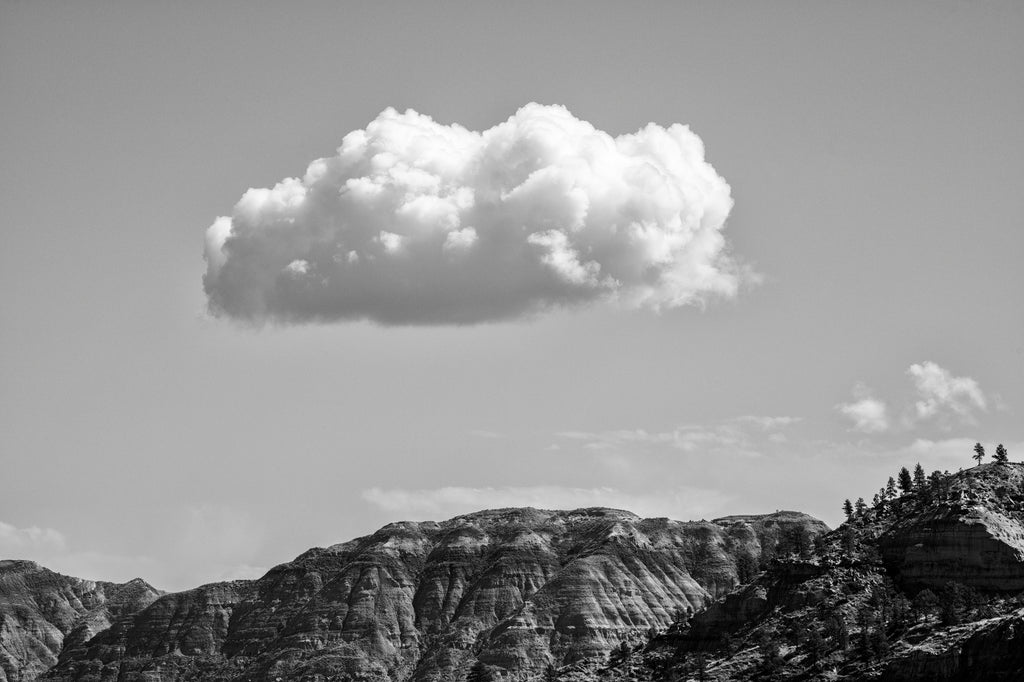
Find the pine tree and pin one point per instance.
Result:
(919, 478)
(890, 489)
(848, 509)
(619, 654)
(876, 500)
(906, 482)
(1001, 456)
(480, 672)
(979, 452)
(860, 506)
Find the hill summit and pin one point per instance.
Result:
(923, 585)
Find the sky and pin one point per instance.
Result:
(817, 282)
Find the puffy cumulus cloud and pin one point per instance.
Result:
(440, 503)
(868, 414)
(943, 396)
(414, 222)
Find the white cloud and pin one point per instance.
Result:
(730, 437)
(944, 397)
(27, 543)
(414, 222)
(868, 414)
(441, 503)
(767, 423)
(208, 542)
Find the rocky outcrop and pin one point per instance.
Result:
(983, 651)
(514, 588)
(43, 613)
(855, 607)
(971, 533)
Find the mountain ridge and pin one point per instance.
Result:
(516, 588)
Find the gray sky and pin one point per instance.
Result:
(874, 153)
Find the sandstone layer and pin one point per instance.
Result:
(514, 588)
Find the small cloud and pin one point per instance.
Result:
(868, 414)
(30, 542)
(440, 503)
(767, 423)
(413, 222)
(943, 397)
(729, 437)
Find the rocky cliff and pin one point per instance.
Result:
(969, 530)
(43, 613)
(513, 588)
(928, 585)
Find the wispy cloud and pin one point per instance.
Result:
(439, 503)
(26, 543)
(767, 423)
(732, 435)
(210, 542)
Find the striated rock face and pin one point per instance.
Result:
(514, 588)
(972, 534)
(43, 613)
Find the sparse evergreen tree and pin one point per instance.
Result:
(905, 481)
(746, 566)
(619, 654)
(702, 667)
(919, 478)
(860, 506)
(816, 644)
(480, 672)
(849, 541)
(979, 452)
(876, 500)
(925, 602)
(770, 649)
(1001, 457)
(848, 509)
(952, 602)
(890, 489)
(836, 629)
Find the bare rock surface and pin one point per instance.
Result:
(971, 532)
(513, 588)
(926, 585)
(43, 613)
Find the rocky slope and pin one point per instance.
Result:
(926, 586)
(43, 613)
(971, 531)
(513, 588)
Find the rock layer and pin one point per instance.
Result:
(43, 613)
(514, 588)
(973, 533)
